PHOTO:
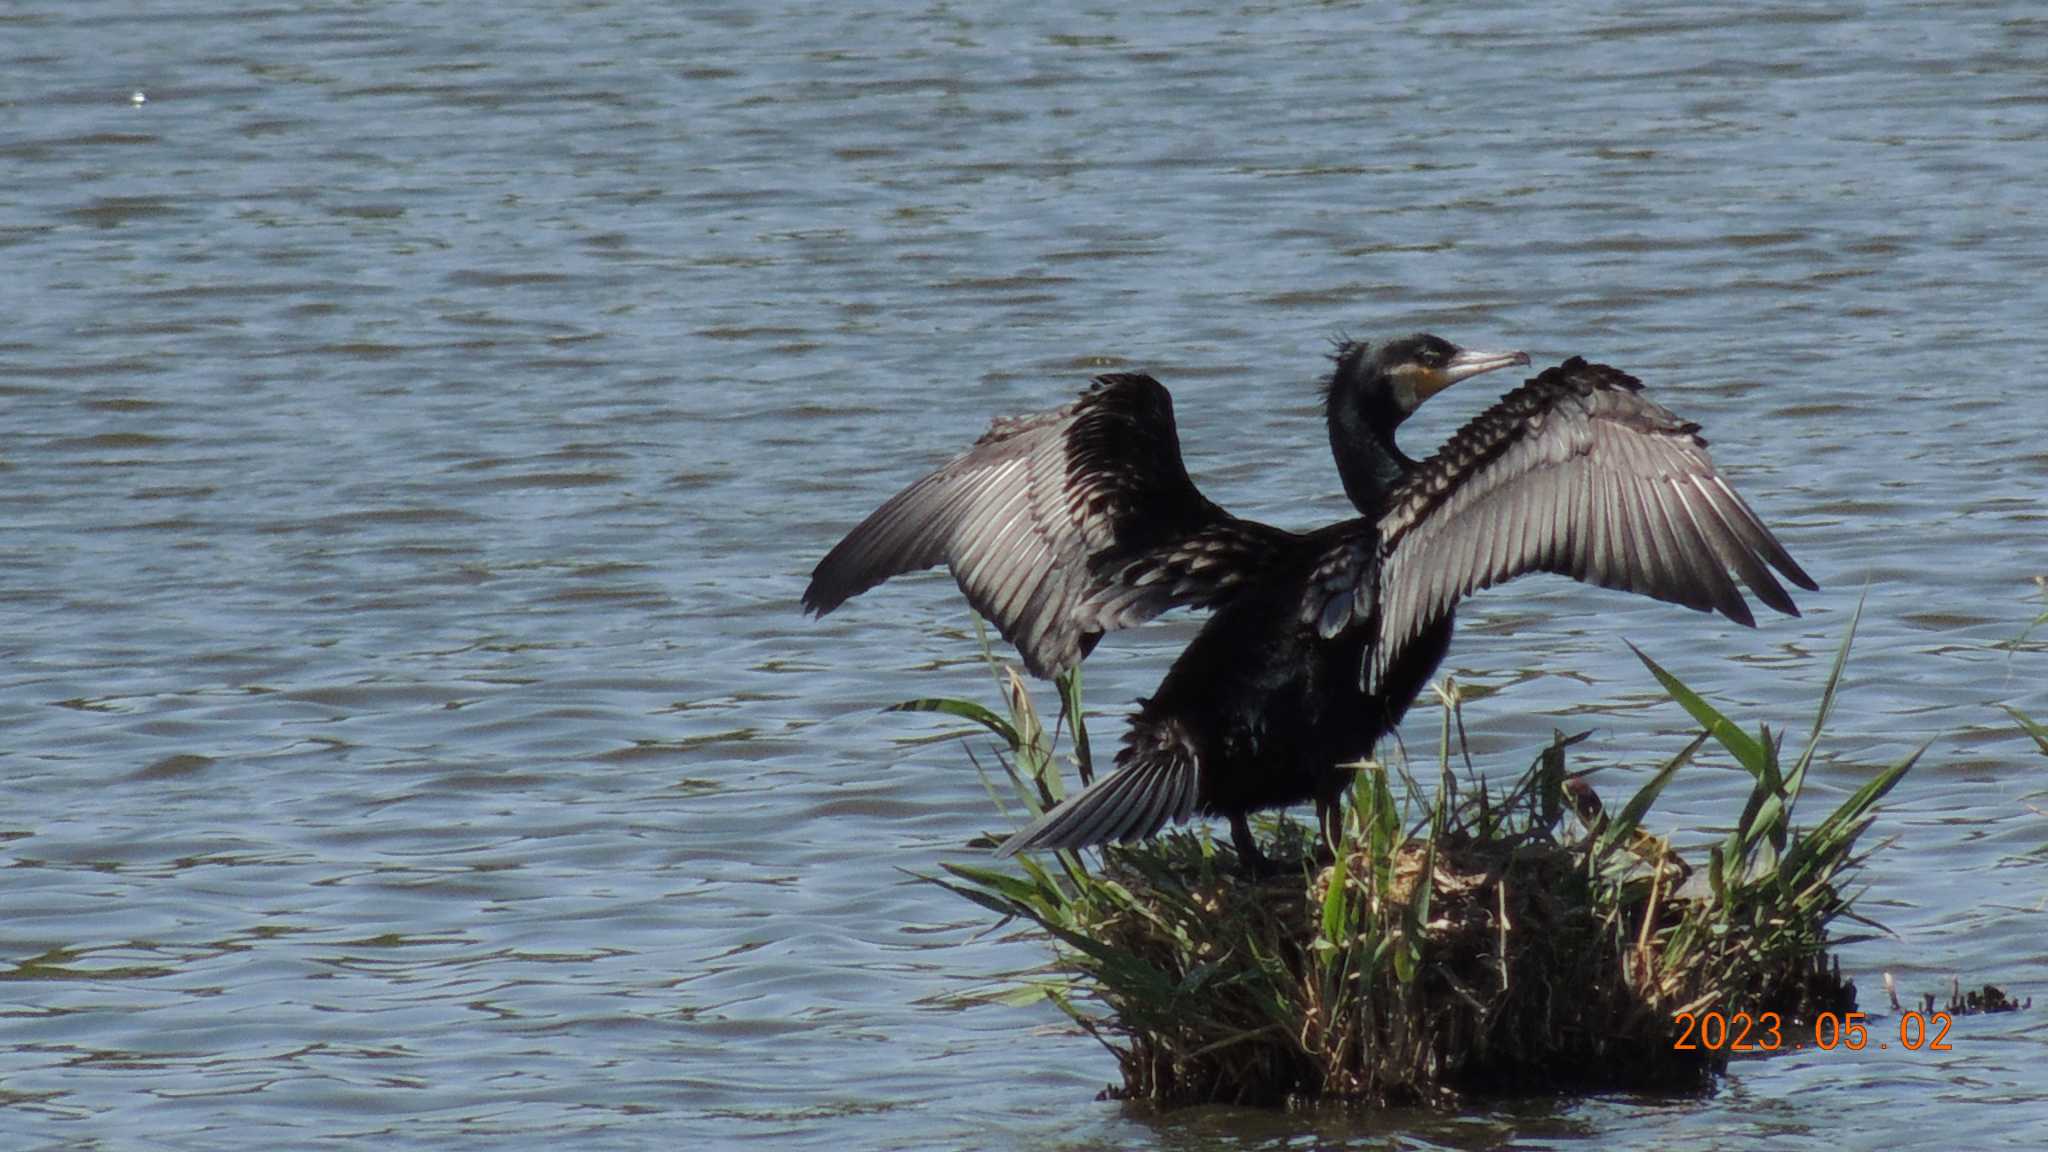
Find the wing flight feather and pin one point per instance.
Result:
(1577, 473)
(1060, 526)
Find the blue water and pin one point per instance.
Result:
(420, 421)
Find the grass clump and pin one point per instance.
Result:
(1466, 939)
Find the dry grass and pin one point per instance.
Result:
(1550, 948)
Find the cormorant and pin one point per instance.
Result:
(1066, 524)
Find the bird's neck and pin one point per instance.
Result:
(1369, 462)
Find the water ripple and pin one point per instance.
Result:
(423, 423)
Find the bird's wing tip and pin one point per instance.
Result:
(817, 601)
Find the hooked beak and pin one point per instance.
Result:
(1467, 364)
(1414, 383)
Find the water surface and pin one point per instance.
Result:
(421, 420)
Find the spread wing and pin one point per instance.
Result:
(1575, 472)
(1060, 526)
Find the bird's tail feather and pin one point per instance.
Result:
(1155, 785)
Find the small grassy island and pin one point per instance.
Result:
(1467, 939)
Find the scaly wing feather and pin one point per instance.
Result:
(1060, 526)
(1575, 472)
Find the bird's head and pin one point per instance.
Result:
(1384, 385)
(1372, 390)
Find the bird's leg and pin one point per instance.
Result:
(1254, 861)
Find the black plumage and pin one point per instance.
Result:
(1061, 526)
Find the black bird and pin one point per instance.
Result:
(1063, 525)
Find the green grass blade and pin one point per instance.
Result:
(2031, 726)
(1873, 790)
(1021, 892)
(1624, 825)
(994, 903)
(1739, 744)
(1404, 962)
(1022, 995)
(1766, 825)
(1069, 683)
(1335, 918)
(1837, 834)
(1032, 740)
(1772, 781)
(965, 710)
(1796, 779)
(1425, 887)
(1386, 822)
